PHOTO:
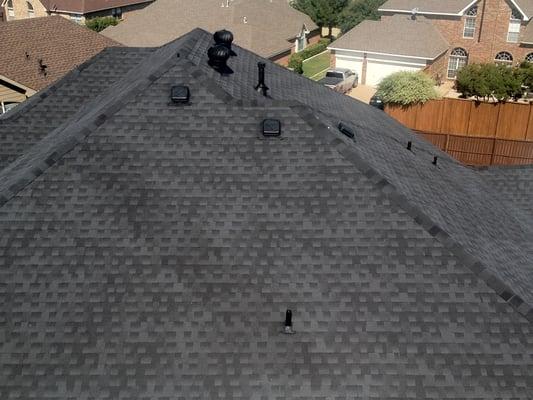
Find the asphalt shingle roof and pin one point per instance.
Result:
(428, 6)
(150, 250)
(60, 44)
(399, 34)
(264, 27)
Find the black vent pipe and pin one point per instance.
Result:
(261, 86)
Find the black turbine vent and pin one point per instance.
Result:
(218, 57)
(224, 38)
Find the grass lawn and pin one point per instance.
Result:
(315, 65)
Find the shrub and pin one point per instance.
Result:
(296, 59)
(487, 81)
(406, 88)
(98, 24)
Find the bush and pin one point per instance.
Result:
(98, 24)
(485, 81)
(406, 88)
(296, 59)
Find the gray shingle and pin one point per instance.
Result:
(156, 258)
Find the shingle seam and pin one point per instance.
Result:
(62, 140)
(347, 150)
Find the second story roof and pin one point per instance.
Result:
(447, 7)
(264, 27)
(37, 51)
(397, 35)
(87, 6)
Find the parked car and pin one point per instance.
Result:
(340, 79)
(377, 101)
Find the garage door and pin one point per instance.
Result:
(352, 63)
(377, 70)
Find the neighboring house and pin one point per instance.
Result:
(36, 52)
(76, 10)
(271, 28)
(150, 249)
(477, 31)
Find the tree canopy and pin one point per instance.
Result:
(325, 13)
(357, 11)
(486, 81)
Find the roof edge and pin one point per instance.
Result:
(348, 151)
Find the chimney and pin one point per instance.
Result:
(261, 86)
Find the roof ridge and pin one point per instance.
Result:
(63, 139)
(349, 152)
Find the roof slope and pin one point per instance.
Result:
(427, 6)
(58, 42)
(87, 6)
(398, 34)
(269, 24)
(526, 6)
(150, 250)
(515, 184)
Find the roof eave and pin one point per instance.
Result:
(28, 89)
(419, 12)
(526, 17)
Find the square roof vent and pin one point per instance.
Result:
(271, 127)
(180, 94)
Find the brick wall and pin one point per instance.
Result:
(490, 37)
(20, 9)
(438, 68)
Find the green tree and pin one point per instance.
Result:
(486, 81)
(357, 11)
(325, 13)
(405, 88)
(98, 24)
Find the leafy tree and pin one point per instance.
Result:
(486, 81)
(325, 13)
(357, 11)
(406, 88)
(98, 24)
(524, 73)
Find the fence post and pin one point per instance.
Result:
(446, 142)
(493, 150)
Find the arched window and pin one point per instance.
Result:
(504, 58)
(31, 12)
(470, 22)
(10, 10)
(529, 57)
(458, 59)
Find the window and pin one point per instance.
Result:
(514, 27)
(117, 12)
(458, 59)
(76, 18)
(470, 23)
(31, 12)
(10, 11)
(504, 58)
(529, 57)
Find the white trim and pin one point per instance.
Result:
(458, 14)
(467, 7)
(385, 54)
(526, 18)
(419, 12)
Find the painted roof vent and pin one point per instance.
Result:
(224, 38)
(271, 127)
(261, 86)
(218, 58)
(346, 130)
(180, 94)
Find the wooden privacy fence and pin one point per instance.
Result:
(475, 133)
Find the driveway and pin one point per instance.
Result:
(362, 92)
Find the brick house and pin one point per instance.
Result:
(75, 10)
(477, 31)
